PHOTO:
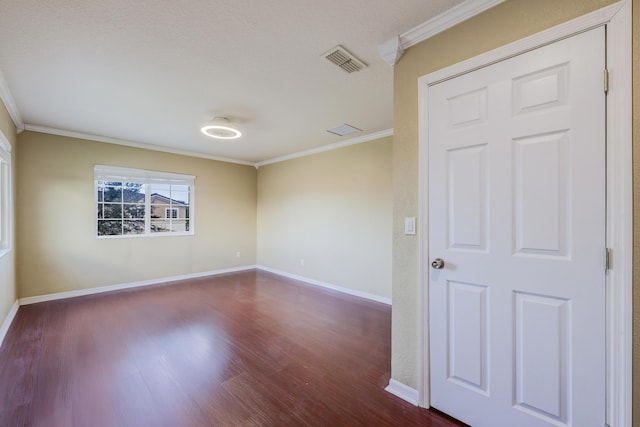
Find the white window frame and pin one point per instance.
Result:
(146, 177)
(6, 199)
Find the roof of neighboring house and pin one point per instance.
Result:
(168, 200)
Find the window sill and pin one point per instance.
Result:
(4, 252)
(142, 236)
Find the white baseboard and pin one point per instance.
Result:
(8, 320)
(404, 392)
(353, 292)
(109, 288)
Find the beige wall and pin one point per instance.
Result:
(500, 25)
(333, 210)
(7, 262)
(57, 248)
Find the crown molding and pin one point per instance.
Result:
(108, 140)
(446, 20)
(10, 104)
(392, 49)
(329, 147)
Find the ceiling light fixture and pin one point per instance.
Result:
(220, 128)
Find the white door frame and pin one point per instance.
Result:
(619, 210)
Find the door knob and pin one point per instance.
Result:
(437, 263)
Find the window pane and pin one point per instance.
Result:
(133, 211)
(4, 217)
(171, 213)
(157, 198)
(158, 211)
(109, 228)
(184, 188)
(179, 197)
(112, 210)
(179, 226)
(133, 192)
(163, 189)
(113, 192)
(128, 207)
(160, 226)
(133, 227)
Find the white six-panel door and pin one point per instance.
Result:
(517, 213)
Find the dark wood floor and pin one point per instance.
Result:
(248, 348)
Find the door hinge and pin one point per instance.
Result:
(606, 80)
(607, 259)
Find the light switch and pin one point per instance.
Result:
(410, 226)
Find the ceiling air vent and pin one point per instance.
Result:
(343, 59)
(344, 130)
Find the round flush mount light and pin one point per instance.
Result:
(220, 128)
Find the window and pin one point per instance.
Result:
(135, 202)
(171, 213)
(6, 207)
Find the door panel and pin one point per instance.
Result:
(516, 210)
(542, 331)
(467, 335)
(541, 194)
(467, 198)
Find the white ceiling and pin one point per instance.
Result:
(153, 72)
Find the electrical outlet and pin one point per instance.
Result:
(238, 254)
(302, 262)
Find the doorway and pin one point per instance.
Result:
(618, 226)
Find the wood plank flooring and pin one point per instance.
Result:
(243, 349)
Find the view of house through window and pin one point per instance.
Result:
(139, 202)
(173, 202)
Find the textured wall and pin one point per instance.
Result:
(333, 210)
(57, 247)
(500, 25)
(7, 262)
